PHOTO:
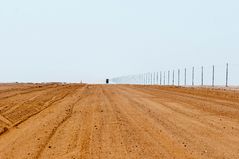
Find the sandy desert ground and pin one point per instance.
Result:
(57, 121)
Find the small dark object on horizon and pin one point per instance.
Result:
(107, 81)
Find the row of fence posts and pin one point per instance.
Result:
(160, 78)
(150, 77)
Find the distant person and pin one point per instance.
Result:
(107, 81)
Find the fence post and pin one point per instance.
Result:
(202, 77)
(164, 78)
(138, 76)
(213, 75)
(168, 77)
(173, 77)
(227, 75)
(154, 78)
(137, 79)
(146, 79)
(193, 76)
(142, 79)
(151, 78)
(160, 78)
(178, 77)
(157, 78)
(185, 76)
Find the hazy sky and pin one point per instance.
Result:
(73, 40)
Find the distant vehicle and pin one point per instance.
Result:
(107, 81)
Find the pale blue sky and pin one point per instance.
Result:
(73, 40)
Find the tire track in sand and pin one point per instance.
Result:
(34, 133)
(62, 142)
(68, 115)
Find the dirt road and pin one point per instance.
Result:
(56, 121)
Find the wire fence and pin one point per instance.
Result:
(214, 75)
